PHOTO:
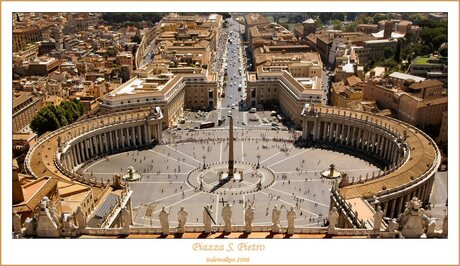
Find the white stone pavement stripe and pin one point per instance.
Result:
(172, 195)
(289, 157)
(270, 157)
(319, 203)
(217, 209)
(318, 171)
(179, 201)
(316, 215)
(157, 182)
(299, 180)
(220, 155)
(172, 159)
(155, 173)
(183, 154)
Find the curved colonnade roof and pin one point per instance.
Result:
(423, 155)
(42, 154)
(423, 152)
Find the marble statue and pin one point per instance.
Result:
(276, 215)
(126, 217)
(248, 218)
(275, 219)
(291, 215)
(164, 216)
(68, 228)
(181, 219)
(333, 218)
(47, 223)
(29, 226)
(80, 218)
(413, 220)
(227, 217)
(207, 213)
(378, 215)
(17, 226)
(445, 226)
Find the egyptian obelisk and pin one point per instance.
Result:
(230, 151)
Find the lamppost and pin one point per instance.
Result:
(258, 158)
(204, 161)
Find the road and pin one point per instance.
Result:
(325, 87)
(234, 100)
(148, 53)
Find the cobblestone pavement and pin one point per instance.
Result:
(438, 198)
(165, 169)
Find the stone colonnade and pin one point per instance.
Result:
(108, 140)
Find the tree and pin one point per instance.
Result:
(387, 52)
(397, 55)
(50, 117)
(136, 39)
(337, 24)
(379, 17)
(319, 23)
(351, 27)
(44, 121)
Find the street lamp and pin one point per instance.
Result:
(258, 158)
(204, 161)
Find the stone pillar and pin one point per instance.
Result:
(385, 207)
(79, 155)
(348, 141)
(392, 208)
(385, 153)
(91, 147)
(139, 135)
(354, 141)
(124, 137)
(117, 139)
(74, 156)
(230, 150)
(324, 130)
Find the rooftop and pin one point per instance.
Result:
(404, 76)
(426, 60)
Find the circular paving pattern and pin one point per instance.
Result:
(248, 178)
(290, 177)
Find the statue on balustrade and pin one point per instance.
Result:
(164, 221)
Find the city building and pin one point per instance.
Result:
(418, 103)
(171, 92)
(347, 93)
(431, 67)
(25, 106)
(264, 89)
(308, 26)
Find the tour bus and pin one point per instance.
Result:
(207, 125)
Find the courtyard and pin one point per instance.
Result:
(291, 176)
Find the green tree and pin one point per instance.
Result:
(337, 24)
(397, 55)
(44, 121)
(379, 17)
(387, 52)
(136, 39)
(351, 27)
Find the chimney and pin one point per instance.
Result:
(387, 29)
(18, 195)
(372, 73)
